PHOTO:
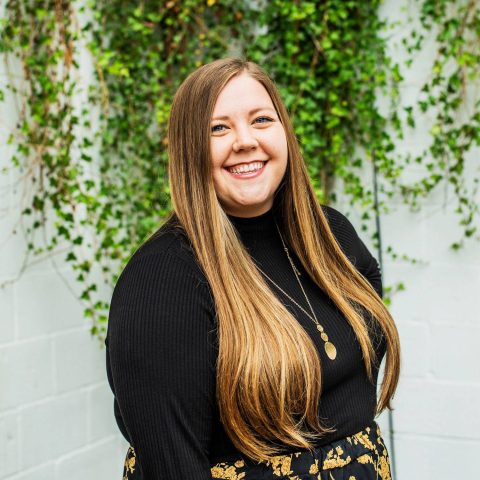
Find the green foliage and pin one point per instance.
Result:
(328, 60)
(100, 164)
(50, 131)
(450, 97)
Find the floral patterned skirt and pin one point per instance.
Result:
(362, 456)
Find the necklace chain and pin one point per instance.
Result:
(330, 348)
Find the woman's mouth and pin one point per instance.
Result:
(247, 170)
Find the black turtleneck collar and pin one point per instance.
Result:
(258, 224)
(261, 225)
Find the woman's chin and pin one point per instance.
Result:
(249, 209)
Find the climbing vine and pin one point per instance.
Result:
(52, 135)
(92, 154)
(450, 101)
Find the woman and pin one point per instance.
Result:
(245, 336)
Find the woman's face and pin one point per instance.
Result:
(248, 148)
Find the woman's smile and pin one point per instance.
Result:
(245, 171)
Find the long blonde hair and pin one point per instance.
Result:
(261, 390)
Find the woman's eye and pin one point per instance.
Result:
(220, 127)
(264, 118)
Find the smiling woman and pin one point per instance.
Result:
(248, 150)
(245, 336)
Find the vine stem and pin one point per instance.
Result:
(378, 228)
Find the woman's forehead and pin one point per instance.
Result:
(242, 94)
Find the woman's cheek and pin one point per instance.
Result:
(275, 137)
(219, 151)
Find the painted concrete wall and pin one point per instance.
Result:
(56, 408)
(436, 420)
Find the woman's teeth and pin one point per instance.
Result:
(246, 168)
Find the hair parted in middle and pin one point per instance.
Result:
(268, 368)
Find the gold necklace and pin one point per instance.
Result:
(330, 348)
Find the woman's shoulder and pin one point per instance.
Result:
(354, 247)
(345, 234)
(168, 252)
(340, 225)
(335, 217)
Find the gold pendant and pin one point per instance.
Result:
(330, 350)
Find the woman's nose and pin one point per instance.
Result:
(244, 140)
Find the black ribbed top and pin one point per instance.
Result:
(161, 347)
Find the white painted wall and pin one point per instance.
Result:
(56, 416)
(436, 420)
(56, 408)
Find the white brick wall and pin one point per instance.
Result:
(56, 408)
(436, 420)
(56, 416)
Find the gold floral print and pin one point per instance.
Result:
(314, 467)
(334, 459)
(383, 468)
(281, 465)
(368, 442)
(363, 439)
(365, 459)
(129, 465)
(229, 472)
(341, 461)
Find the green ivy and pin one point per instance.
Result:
(100, 167)
(52, 136)
(450, 96)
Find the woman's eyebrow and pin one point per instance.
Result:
(251, 112)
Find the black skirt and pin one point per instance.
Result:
(362, 456)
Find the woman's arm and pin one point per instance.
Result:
(162, 359)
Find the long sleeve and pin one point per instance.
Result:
(161, 354)
(116, 409)
(354, 248)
